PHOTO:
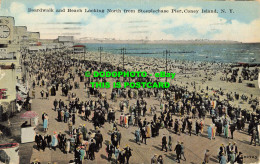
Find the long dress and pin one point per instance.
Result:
(117, 151)
(137, 135)
(226, 131)
(148, 131)
(82, 154)
(209, 132)
(213, 131)
(126, 121)
(45, 123)
(67, 146)
(54, 140)
(121, 120)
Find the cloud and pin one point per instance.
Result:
(166, 26)
(240, 31)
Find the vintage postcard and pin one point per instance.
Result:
(129, 82)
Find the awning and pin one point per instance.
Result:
(22, 88)
(29, 114)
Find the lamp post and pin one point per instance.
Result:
(166, 53)
(100, 49)
(123, 52)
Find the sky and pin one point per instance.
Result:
(242, 25)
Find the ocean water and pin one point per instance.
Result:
(220, 53)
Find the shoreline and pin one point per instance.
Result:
(206, 42)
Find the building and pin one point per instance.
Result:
(16, 41)
(11, 39)
(66, 41)
(6, 37)
(79, 51)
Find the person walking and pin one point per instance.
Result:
(137, 135)
(223, 159)
(164, 142)
(47, 94)
(82, 154)
(45, 123)
(44, 144)
(54, 141)
(170, 143)
(143, 135)
(67, 146)
(197, 127)
(110, 150)
(37, 141)
(55, 103)
(189, 126)
(42, 92)
(128, 153)
(117, 151)
(232, 157)
(253, 137)
(182, 151)
(178, 151)
(232, 129)
(209, 132)
(226, 131)
(121, 157)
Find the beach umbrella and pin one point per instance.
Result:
(29, 114)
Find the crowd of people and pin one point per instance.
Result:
(180, 111)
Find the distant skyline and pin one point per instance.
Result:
(241, 25)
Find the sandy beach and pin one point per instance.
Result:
(203, 74)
